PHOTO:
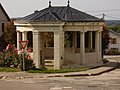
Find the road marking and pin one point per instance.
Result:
(67, 87)
(59, 88)
(56, 88)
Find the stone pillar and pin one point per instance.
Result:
(100, 46)
(90, 40)
(18, 39)
(82, 47)
(58, 49)
(97, 45)
(74, 41)
(24, 37)
(62, 46)
(42, 50)
(97, 41)
(36, 49)
(100, 34)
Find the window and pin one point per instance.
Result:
(113, 40)
(114, 49)
(3, 27)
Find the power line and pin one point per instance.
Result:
(112, 17)
(108, 16)
(105, 10)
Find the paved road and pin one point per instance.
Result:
(113, 57)
(106, 81)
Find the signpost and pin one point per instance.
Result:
(23, 45)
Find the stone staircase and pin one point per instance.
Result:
(49, 63)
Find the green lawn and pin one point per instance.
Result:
(2, 69)
(56, 71)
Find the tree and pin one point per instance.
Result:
(116, 28)
(105, 39)
(49, 39)
(68, 39)
(10, 33)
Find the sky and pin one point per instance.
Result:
(21, 8)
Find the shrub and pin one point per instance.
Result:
(28, 62)
(10, 58)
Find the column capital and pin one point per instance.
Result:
(24, 31)
(17, 31)
(99, 31)
(83, 31)
(35, 31)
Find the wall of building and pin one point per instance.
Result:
(2, 15)
(3, 19)
(113, 35)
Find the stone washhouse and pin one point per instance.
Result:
(86, 37)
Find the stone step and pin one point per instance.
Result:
(49, 63)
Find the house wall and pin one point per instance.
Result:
(3, 19)
(113, 35)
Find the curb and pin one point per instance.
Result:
(62, 75)
(99, 73)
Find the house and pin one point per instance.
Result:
(114, 45)
(58, 20)
(4, 18)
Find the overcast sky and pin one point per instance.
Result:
(21, 8)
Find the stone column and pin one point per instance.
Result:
(82, 47)
(100, 46)
(97, 41)
(100, 34)
(42, 52)
(97, 44)
(36, 49)
(18, 39)
(24, 37)
(74, 41)
(90, 40)
(58, 49)
(62, 46)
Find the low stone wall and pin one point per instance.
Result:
(71, 58)
(90, 58)
(49, 52)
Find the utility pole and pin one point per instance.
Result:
(103, 18)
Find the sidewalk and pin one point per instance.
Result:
(111, 65)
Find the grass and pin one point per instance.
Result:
(3, 69)
(56, 71)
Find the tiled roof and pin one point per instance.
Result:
(62, 13)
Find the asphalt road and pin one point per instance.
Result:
(106, 81)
